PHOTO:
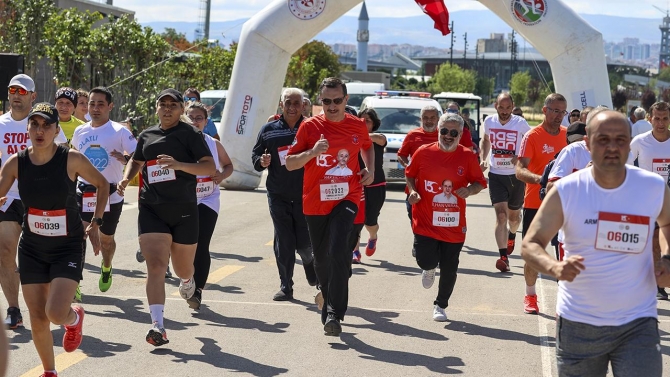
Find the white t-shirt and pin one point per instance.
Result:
(570, 159)
(207, 192)
(651, 154)
(614, 236)
(505, 142)
(97, 143)
(13, 139)
(640, 127)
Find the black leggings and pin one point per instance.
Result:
(207, 219)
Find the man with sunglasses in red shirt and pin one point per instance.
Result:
(330, 202)
(13, 139)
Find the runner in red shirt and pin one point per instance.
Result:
(327, 146)
(440, 177)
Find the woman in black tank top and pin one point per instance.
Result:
(50, 252)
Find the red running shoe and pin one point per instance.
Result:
(510, 246)
(530, 304)
(502, 264)
(356, 258)
(73, 334)
(49, 374)
(371, 247)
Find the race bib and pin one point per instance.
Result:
(503, 161)
(5, 206)
(334, 189)
(622, 233)
(204, 188)
(446, 219)
(660, 166)
(158, 174)
(89, 201)
(282, 151)
(47, 223)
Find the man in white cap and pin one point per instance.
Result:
(14, 138)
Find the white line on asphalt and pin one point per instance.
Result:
(543, 324)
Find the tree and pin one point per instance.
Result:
(452, 78)
(648, 99)
(312, 63)
(518, 84)
(619, 99)
(534, 91)
(664, 74)
(176, 40)
(484, 87)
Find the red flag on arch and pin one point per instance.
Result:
(438, 12)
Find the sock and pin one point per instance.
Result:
(530, 290)
(185, 280)
(156, 311)
(106, 269)
(503, 253)
(76, 320)
(511, 236)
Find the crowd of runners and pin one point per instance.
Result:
(568, 186)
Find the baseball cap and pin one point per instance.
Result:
(576, 132)
(67, 93)
(173, 93)
(46, 111)
(22, 81)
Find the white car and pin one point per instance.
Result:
(216, 99)
(399, 113)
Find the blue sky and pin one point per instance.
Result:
(226, 10)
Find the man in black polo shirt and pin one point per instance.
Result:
(285, 193)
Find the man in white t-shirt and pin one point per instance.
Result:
(642, 125)
(606, 309)
(652, 151)
(446, 196)
(503, 133)
(14, 138)
(108, 145)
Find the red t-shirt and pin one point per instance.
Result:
(333, 176)
(541, 147)
(466, 139)
(416, 138)
(438, 215)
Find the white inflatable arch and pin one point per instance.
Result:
(573, 48)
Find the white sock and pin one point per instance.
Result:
(185, 280)
(157, 313)
(76, 320)
(530, 290)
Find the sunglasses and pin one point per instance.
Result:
(574, 115)
(197, 119)
(13, 90)
(446, 131)
(328, 101)
(186, 99)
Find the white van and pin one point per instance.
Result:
(217, 100)
(357, 91)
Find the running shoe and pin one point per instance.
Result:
(427, 278)
(661, 294)
(157, 336)
(186, 288)
(502, 264)
(49, 374)
(283, 296)
(371, 247)
(139, 256)
(318, 300)
(510, 246)
(530, 304)
(168, 273)
(77, 296)
(195, 300)
(73, 334)
(439, 315)
(105, 281)
(356, 258)
(14, 318)
(332, 326)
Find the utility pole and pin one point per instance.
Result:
(207, 18)
(513, 54)
(451, 49)
(465, 49)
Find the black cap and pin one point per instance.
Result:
(576, 132)
(46, 111)
(67, 93)
(172, 93)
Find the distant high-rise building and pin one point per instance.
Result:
(664, 56)
(362, 37)
(497, 43)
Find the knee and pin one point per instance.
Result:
(7, 254)
(107, 244)
(425, 263)
(501, 217)
(57, 315)
(155, 264)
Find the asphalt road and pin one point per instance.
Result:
(388, 330)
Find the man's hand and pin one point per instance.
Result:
(265, 159)
(484, 165)
(568, 269)
(413, 198)
(321, 146)
(663, 273)
(366, 177)
(462, 192)
(118, 156)
(168, 162)
(92, 231)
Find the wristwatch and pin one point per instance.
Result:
(97, 220)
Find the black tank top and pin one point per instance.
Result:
(49, 198)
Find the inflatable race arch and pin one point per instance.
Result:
(572, 47)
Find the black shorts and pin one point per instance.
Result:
(374, 200)
(39, 266)
(13, 213)
(528, 216)
(109, 219)
(178, 219)
(506, 188)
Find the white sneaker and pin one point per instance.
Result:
(186, 289)
(439, 315)
(427, 278)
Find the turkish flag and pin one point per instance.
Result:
(438, 12)
(663, 64)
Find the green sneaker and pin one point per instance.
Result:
(105, 279)
(77, 296)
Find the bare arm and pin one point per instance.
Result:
(204, 166)
(414, 196)
(225, 162)
(485, 149)
(133, 167)
(663, 220)
(378, 139)
(473, 189)
(297, 161)
(8, 174)
(550, 185)
(525, 175)
(403, 160)
(368, 174)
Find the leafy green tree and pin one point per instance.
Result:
(312, 63)
(664, 74)
(452, 78)
(518, 85)
(484, 87)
